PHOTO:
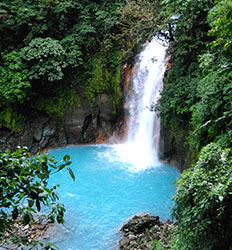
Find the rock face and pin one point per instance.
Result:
(82, 123)
(76, 123)
(144, 231)
(174, 150)
(38, 133)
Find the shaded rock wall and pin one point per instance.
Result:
(38, 133)
(83, 123)
(174, 149)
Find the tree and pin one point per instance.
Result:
(220, 19)
(46, 58)
(211, 115)
(196, 93)
(24, 190)
(138, 22)
(203, 202)
(14, 83)
(191, 36)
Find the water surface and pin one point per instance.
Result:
(106, 193)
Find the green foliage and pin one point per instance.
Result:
(178, 95)
(46, 57)
(197, 97)
(220, 19)
(203, 202)
(97, 83)
(58, 41)
(197, 89)
(157, 245)
(117, 92)
(14, 83)
(105, 77)
(56, 106)
(190, 34)
(138, 22)
(11, 119)
(211, 115)
(24, 191)
(72, 50)
(180, 7)
(191, 29)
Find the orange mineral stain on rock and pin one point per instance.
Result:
(127, 70)
(100, 138)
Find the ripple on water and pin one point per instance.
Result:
(108, 190)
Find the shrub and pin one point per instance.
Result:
(24, 190)
(203, 202)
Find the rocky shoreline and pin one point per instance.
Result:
(36, 231)
(145, 231)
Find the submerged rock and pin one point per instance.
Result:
(143, 230)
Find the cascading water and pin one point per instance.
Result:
(141, 147)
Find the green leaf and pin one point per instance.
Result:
(31, 186)
(52, 245)
(30, 202)
(71, 173)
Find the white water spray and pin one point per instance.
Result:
(141, 147)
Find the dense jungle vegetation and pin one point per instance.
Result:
(49, 48)
(197, 101)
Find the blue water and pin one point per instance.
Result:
(105, 195)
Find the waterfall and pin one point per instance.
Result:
(143, 126)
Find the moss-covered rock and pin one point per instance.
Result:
(11, 119)
(174, 148)
(145, 231)
(105, 77)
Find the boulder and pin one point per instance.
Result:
(124, 242)
(139, 223)
(142, 230)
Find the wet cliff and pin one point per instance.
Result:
(87, 121)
